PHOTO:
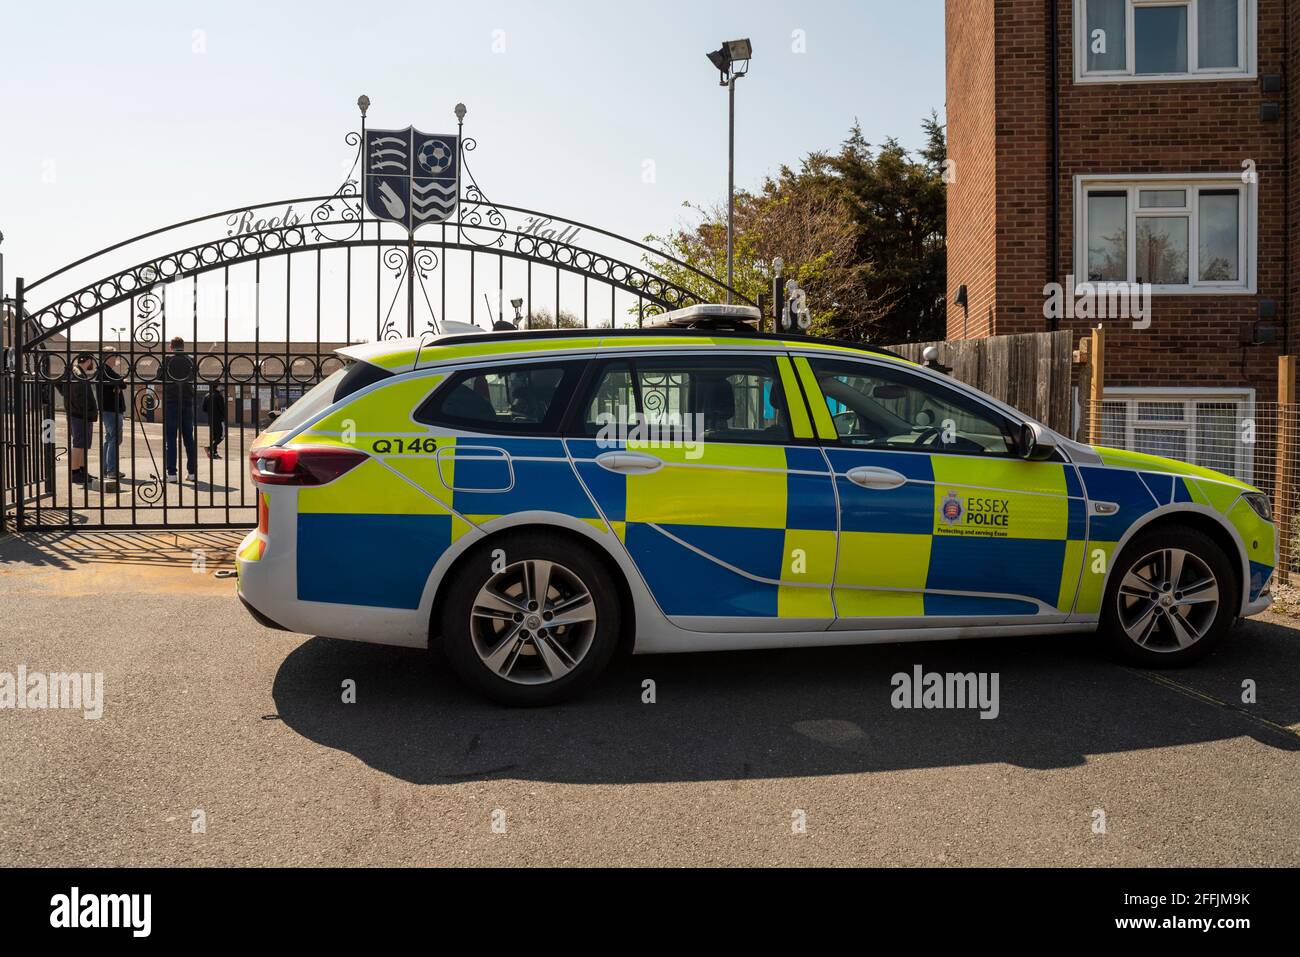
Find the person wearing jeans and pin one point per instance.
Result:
(112, 404)
(178, 411)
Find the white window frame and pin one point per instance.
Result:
(1247, 20)
(1243, 457)
(1247, 226)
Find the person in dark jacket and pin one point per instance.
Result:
(214, 406)
(112, 410)
(82, 406)
(178, 411)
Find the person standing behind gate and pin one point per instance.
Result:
(83, 409)
(178, 411)
(112, 405)
(214, 404)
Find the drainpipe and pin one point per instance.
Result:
(1055, 176)
(1286, 179)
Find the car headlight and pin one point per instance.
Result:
(1260, 503)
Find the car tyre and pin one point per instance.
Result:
(530, 619)
(1171, 598)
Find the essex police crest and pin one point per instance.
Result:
(950, 509)
(411, 177)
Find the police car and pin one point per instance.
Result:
(530, 502)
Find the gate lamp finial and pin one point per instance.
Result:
(363, 103)
(460, 112)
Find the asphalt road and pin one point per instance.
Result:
(206, 711)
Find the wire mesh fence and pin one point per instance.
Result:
(1256, 442)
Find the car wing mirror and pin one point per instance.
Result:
(1035, 444)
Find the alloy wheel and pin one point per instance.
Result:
(1168, 600)
(533, 622)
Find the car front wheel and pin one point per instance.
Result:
(1171, 598)
(530, 619)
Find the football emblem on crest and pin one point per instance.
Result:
(950, 509)
(434, 157)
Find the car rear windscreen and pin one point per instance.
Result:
(335, 387)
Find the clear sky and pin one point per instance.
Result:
(127, 115)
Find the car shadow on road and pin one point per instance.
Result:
(797, 712)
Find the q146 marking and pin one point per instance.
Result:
(426, 446)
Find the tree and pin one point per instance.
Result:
(861, 230)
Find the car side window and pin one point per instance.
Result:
(727, 399)
(520, 398)
(612, 399)
(877, 407)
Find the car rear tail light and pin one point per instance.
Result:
(301, 465)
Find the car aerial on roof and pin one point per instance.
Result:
(530, 502)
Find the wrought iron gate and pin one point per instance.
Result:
(260, 298)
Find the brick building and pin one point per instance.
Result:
(1137, 141)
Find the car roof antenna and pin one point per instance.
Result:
(425, 338)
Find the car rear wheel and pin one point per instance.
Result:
(1171, 598)
(530, 619)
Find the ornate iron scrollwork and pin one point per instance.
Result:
(349, 200)
(149, 308)
(396, 261)
(478, 221)
(151, 490)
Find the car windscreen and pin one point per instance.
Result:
(335, 387)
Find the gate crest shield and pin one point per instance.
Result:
(411, 177)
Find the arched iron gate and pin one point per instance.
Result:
(260, 309)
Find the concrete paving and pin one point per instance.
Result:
(776, 758)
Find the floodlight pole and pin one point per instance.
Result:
(731, 177)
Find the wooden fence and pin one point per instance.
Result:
(1030, 372)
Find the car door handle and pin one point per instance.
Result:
(629, 463)
(869, 476)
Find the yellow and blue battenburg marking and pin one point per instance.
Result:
(745, 530)
(951, 539)
(737, 531)
(373, 536)
(1137, 493)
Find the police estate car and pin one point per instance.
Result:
(531, 501)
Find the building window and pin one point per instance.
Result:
(1205, 427)
(1124, 40)
(1188, 236)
